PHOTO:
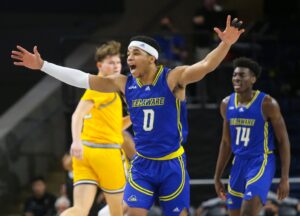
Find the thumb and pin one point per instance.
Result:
(35, 51)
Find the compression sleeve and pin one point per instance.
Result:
(67, 75)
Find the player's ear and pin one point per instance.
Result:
(98, 64)
(253, 79)
(152, 59)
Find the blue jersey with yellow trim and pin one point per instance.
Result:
(159, 120)
(251, 134)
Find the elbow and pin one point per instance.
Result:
(76, 117)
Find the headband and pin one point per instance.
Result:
(144, 46)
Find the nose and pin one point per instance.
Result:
(129, 57)
(236, 78)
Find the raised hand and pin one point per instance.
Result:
(232, 31)
(27, 59)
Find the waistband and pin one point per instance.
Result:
(252, 156)
(101, 145)
(170, 156)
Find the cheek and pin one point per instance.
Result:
(107, 67)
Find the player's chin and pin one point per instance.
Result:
(238, 89)
(135, 73)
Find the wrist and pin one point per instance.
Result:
(225, 45)
(43, 65)
(217, 177)
(284, 178)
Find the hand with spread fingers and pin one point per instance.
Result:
(27, 59)
(232, 31)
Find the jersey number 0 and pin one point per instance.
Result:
(148, 119)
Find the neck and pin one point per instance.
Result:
(100, 74)
(245, 97)
(148, 77)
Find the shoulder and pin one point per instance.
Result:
(270, 106)
(223, 105)
(225, 100)
(174, 75)
(178, 70)
(269, 102)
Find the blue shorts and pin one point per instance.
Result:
(249, 178)
(165, 180)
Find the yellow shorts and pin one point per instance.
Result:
(100, 166)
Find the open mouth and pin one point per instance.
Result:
(132, 67)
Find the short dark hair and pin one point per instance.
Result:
(148, 40)
(37, 178)
(248, 63)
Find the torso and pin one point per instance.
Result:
(158, 117)
(251, 134)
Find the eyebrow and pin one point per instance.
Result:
(239, 72)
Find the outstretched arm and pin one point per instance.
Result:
(70, 76)
(190, 74)
(272, 112)
(224, 153)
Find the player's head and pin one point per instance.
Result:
(245, 74)
(108, 58)
(143, 51)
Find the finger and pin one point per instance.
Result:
(16, 57)
(218, 31)
(234, 22)
(223, 195)
(279, 194)
(238, 25)
(16, 53)
(228, 20)
(22, 49)
(19, 63)
(241, 31)
(35, 51)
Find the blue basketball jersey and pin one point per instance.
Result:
(251, 134)
(159, 120)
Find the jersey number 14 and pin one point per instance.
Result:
(242, 135)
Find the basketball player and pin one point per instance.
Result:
(251, 120)
(155, 97)
(97, 138)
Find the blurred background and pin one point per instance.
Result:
(35, 110)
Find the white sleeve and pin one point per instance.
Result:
(67, 75)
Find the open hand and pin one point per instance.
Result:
(232, 31)
(27, 59)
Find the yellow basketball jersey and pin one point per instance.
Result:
(103, 124)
